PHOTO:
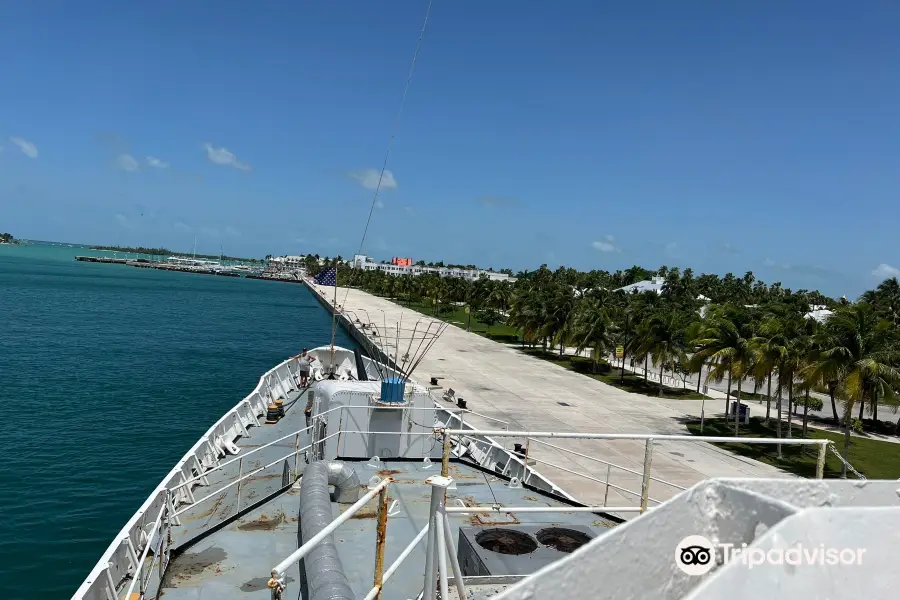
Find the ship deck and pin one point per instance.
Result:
(227, 545)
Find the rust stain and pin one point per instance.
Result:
(365, 513)
(193, 566)
(532, 498)
(386, 472)
(263, 523)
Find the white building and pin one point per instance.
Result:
(818, 312)
(653, 285)
(361, 261)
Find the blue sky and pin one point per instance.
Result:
(722, 136)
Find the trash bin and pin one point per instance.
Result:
(744, 414)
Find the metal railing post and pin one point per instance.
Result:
(606, 493)
(240, 478)
(441, 547)
(645, 478)
(439, 485)
(445, 457)
(820, 461)
(451, 551)
(380, 539)
(297, 456)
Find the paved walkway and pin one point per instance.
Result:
(536, 395)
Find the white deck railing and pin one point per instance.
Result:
(440, 557)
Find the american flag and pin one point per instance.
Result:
(327, 277)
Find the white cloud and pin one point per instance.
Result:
(232, 231)
(885, 271)
(127, 162)
(379, 204)
(221, 156)
(368, 178)
(409, 210)
(27, 148)
(123, 221)
(300, 240)
(157, 163)
(607, 244)
(182, 226)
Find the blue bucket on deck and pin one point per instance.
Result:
(392, 389)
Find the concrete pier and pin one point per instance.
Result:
(534, 395)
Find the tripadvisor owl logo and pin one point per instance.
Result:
(695, 555)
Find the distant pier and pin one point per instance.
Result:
(201, 269)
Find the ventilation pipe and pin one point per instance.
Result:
(321, 570)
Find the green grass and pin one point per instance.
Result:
(873, 458)
(456, 315)
(613, 376)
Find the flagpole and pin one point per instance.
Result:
(333, 320)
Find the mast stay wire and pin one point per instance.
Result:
(387, 156)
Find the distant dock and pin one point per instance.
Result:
(192, 266)
(106, 259)
(163, 266)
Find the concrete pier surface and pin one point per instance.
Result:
(535, 395)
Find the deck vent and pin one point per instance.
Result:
(563, 539)
(515, 550)
(506, 541)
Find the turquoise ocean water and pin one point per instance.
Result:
(108, 375)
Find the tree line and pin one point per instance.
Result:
(730, 328)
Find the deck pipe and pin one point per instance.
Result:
(324, 574)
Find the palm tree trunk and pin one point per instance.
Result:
(769, 398)
(728, 396)
(737, 409)
(833, 405)
(778, 421)
(660, 380)
(846, 452)
(790, 407)
(699, 377)
(646, 359)
(875, 408)
(862, 403)
(805, 413)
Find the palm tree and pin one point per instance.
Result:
(557, 325)
(859, 350)
(592, 326)
(726, 340)
(663, 339)
(769, 345)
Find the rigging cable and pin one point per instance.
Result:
(387, 156)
